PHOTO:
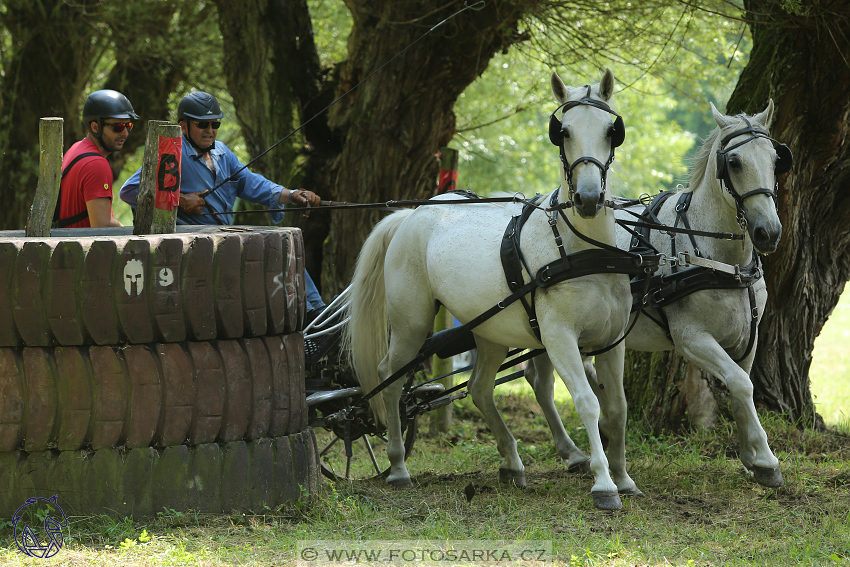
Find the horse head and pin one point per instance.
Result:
(586, 138)
(747, 163)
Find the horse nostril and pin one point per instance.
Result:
(577, 202)
(761, 235)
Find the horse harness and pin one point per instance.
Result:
(703, 274)
(604, 259)
(784, 161)
(617, 133)
(640, 261)
(60, 222)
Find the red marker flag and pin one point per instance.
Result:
(168, 173)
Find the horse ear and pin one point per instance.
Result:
(765, 118)
(721, 120)
(558, 88)
(606, 84)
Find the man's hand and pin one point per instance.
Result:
(191, 203)
(304, 197)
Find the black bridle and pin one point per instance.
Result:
(617, 133)
(783, 164)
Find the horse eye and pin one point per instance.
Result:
(565, 132)
(735, 163)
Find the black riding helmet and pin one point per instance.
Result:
(199, 106)
(106, 104)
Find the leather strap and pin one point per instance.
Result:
(62, 223)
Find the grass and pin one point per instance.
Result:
(830, 370)
(700, 507)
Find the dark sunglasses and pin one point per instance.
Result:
(206, 124)
(118, 127)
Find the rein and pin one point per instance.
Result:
(395, 205)
(387, 205)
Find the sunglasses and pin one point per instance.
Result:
(118, 127)
(206, 124)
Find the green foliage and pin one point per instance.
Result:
(331, 26)
(665, 81)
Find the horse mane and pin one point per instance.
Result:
(704, 162)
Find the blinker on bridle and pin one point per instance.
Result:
(617, 133)
(784, 160)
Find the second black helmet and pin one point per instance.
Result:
(199, 106)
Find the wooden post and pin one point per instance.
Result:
(441, 418)
(49, 176)
(168, 179)
(160, 180)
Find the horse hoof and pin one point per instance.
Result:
(580, 467)
(517, 478)
(607, 500)
(631, 492)
(768, 476)
(400, 483)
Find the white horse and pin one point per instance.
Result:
(713, 328)
(449, 254)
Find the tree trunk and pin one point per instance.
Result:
(395, 122)
(148, 74)
(51, 44)
(273, 72)
(802, 62)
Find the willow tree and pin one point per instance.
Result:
(276, 79)
(801, 59)
(379, 141)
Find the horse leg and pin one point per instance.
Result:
(568, 363)
(593, 380)
(609, 390)
(481, 384)
(756, 455)
(409, 330)
(399, 477)
(540, 375)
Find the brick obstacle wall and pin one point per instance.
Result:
(209, 414)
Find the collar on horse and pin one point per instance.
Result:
(617, 134)
(783, 164)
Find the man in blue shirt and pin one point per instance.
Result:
(206, 163)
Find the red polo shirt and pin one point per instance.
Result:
(90, 178)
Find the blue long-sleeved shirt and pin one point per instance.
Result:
(196, 176)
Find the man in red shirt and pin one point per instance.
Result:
(85, 192)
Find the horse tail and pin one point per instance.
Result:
(366, 336)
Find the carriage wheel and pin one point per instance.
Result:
(369, 453)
